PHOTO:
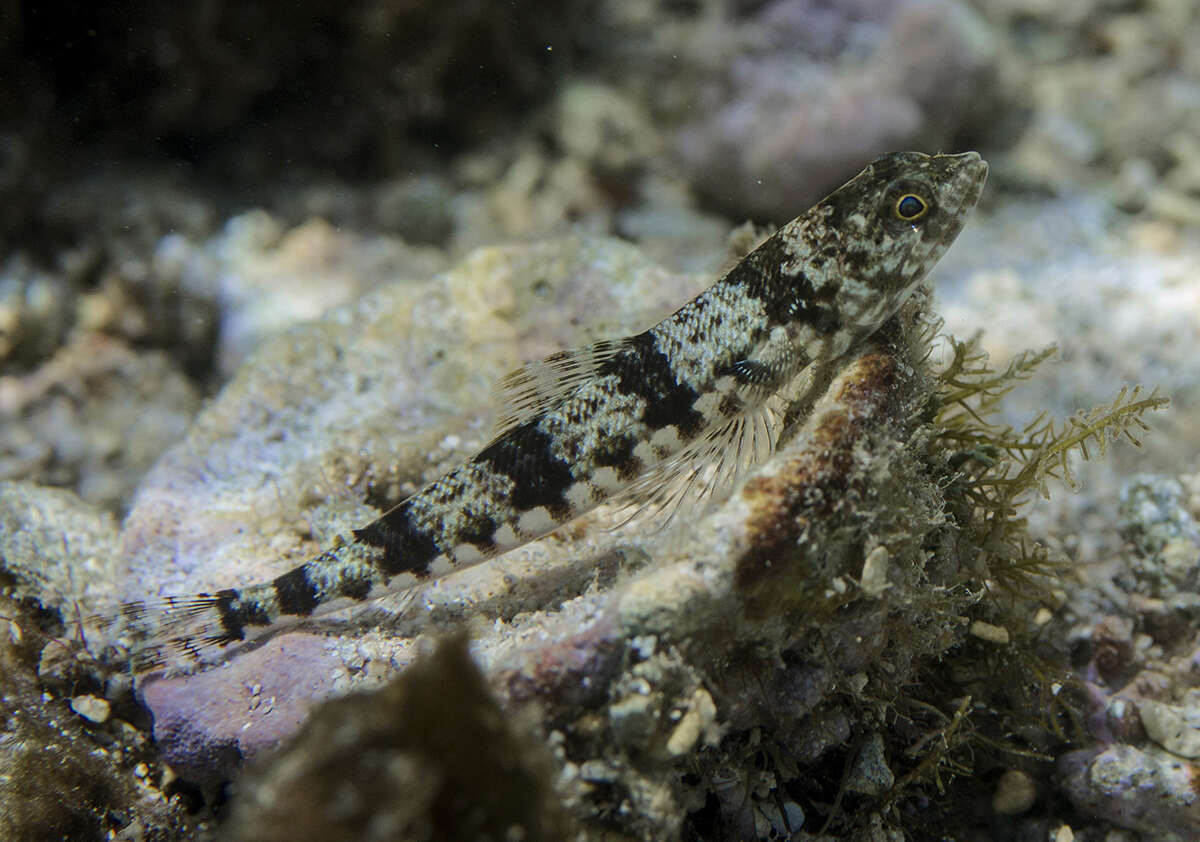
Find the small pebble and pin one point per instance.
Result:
(1174, 727)
(685, 736)
(699, 721)
(91, 708)
(870, 774)
(874, 573)
(990, 633)
(1015, 793)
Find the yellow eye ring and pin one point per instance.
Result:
(910, 207)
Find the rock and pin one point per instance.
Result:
(420, 210)
(223, 719)
(91, 708)
(989, 632)
(1174, 727)
(1093, 111)
(56, 549)
(700, 720)
(1156, 517)
(34, 311)
(874, 572)
(870, 774)
(810, 91)
(94, 417)
(430, 755)
(268, 279)
(600, 126)
(1148, 790)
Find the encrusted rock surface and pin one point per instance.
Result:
(1138, 649)
(68, 770)
(1147, 790)
(56, 548)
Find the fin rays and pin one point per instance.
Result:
(702, 470)
(152, 631)
(537, 386)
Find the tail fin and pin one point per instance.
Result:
(155, 634)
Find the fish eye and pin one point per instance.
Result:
(911, 207)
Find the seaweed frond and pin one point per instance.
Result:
(997, 469)
(1051, 443)
(970, 385)
(936, 753)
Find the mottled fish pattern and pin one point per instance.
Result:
(630, 416)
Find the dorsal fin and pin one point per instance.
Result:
(539, 385)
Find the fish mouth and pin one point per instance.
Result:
(970, 177)
(968, 174)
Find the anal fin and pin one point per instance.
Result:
(704, 469)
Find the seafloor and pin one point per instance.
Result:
(260, 267)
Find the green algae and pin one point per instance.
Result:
(989, 706)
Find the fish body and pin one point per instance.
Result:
(632, 418)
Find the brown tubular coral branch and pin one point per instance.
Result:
(808, 485)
